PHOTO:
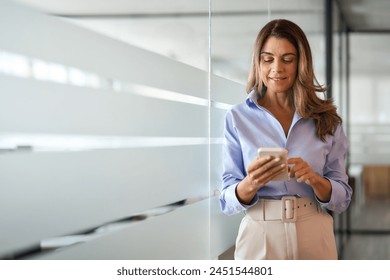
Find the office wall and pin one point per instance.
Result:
(111, 128)
(106, 148)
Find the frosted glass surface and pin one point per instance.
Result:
(224, 94)
(53, 40)
(94, 130)
(226, 91)
(33, 106)
(224, 229)
(52, 194)
(181, 234)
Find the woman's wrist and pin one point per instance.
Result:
(322, 188)
(246, 190)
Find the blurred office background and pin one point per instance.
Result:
(111, 120)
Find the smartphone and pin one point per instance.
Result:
(276, 152)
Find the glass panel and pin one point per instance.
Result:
(180, 236)
(370, 136)
(234, 27)
(179, 32)
(93, 129)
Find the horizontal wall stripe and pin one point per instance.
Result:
(66, 142)
(21, 66)
(55, 143)
(164, 94)
(220, 105)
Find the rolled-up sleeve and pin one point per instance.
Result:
(233, 170)
(334, 171)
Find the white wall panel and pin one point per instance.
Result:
(41, 107)
(75, 156)
(217, 122)
(224, 94)
(224, 229)
(170, 236)
(52, 194)
(51, 39)
(226, 91)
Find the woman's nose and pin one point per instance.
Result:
(277, 67)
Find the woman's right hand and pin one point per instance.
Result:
(260, 171)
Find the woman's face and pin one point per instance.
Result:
(278, 65)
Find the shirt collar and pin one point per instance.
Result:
(251, 100)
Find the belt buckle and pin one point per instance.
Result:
(289, 209)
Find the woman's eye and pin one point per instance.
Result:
(271, 59)
(267, 59)
(288, 59)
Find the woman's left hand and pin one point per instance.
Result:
(301, 170)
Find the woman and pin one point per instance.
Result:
(284, 219)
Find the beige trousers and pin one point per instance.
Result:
(287, 229)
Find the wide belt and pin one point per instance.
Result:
(287, 209)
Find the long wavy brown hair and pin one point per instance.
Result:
(305, 88)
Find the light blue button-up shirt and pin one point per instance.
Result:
(248, 126)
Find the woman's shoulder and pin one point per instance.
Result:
(238, 107)
(337, 135)
(339, 130)
(238, 110)
(242, 106)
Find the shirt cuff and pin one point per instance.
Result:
(333, 203)
(236, 205)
